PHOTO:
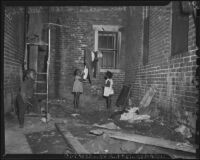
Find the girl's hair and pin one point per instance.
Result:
(76, 72)
(109, 74)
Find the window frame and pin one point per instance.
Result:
(146, 34)
(174, 51)
(113, 29)
(114, 49)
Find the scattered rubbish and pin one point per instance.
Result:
(45, 135)
(139, 118)
(129, 114)
(44, 151)
(110, 125)
(184, 131)
(148, 120)
(183, 144)
(96, 132)
(139, 150)
(132, 115)
(106, 151)
(75, 114)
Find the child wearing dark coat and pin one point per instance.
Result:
(26, 99)
(77, 87)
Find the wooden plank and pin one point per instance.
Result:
(150, 141)
(77, 146)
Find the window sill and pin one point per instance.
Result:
(111, 70)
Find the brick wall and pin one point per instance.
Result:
(13, 54)
(67, 41)
(173, 75)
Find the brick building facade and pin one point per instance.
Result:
(77, 27)
(174, 75)
(13, 54)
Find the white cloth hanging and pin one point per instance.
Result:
(85, 72)
(93, 56)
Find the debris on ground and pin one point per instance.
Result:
(186, 144)
(184, 131)
(129, 115)
(47, 118)
(139, 149)
(110, 125)
(75, 114)
(97, 132)
(132, 115)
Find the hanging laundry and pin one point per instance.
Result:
(94, 55)
(86, 68)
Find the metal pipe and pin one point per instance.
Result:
(48, 62)
(55, 24)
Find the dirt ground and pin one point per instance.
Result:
(39, 137)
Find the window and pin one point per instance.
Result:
(146, 36)
(108, 41)
(107, 44)
(180, 27)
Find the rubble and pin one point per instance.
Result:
(110, 125)
(132, 115)
(75, 114)
(184, 131)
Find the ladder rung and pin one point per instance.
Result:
(40, 93)
(41, 73)
(40, 81)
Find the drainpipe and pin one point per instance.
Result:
(25, 67)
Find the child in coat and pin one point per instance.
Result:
(26, 99)
(77, 87)
(108, 89)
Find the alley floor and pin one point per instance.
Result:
(38, 137)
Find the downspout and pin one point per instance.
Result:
(25, 65)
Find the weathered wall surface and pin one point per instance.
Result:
(13, 54)
(173, 75)
(68, 39)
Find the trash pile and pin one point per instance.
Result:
(184, 131)
(133, 115)
(110, 125)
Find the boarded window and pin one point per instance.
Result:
(107, 44)
(146, 36)
(180, 27)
